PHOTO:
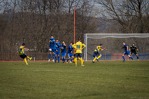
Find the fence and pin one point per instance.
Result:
(13, 56)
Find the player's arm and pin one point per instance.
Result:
(52, 40)
(26, 49)
(74, 46)
(103, 48)
(137, 49)
(127, 48)
(83, 46)
(122, 47)
(130, 47)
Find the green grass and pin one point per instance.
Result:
(103, 80)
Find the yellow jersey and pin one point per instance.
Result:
(78, 46)
(21, 50)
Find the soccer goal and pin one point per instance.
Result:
(113, 42)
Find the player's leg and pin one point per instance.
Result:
(53, 54)
(63, 57)
(25, 60)
(49, 56)
(94, 57)
(136, 55)
(129, 55)
(24, 57)
(28, 57)
(55, 57)
(71, 57)
(75, 59)
(81, 59)
(123, 57)
(68, 60)
(99, 57)
(58, 58)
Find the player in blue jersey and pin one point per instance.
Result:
(126, 52)
(52, 48)
(63, 51)
(57, 52)
(70, 53)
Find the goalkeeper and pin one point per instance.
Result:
(134, 50)
(96, 54)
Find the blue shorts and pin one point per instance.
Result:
(53, 50)
(78, 55)
(96, 54)
(127, 53)
(23, 56)
(57, 52)
(63, 54)
(70, 55)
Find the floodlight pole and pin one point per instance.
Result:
(74, 35)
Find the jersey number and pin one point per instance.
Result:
(78, 46)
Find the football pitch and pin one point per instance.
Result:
(102, 80)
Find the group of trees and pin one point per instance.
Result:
(131, 15)
(33, 21)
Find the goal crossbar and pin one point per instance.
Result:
(115, 35)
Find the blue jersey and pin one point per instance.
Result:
(63, 48)
(126, 51)
(58, 47)
(70, 49)
(52, 43)
(125, 48)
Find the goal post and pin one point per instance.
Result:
(113, 43)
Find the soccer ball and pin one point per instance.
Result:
(50, 49)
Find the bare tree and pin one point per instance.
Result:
(33, 21)
(128, 13)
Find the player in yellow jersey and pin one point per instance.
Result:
(22, 54)
(96, 54)
(78, 47)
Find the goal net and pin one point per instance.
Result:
(113, 42)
